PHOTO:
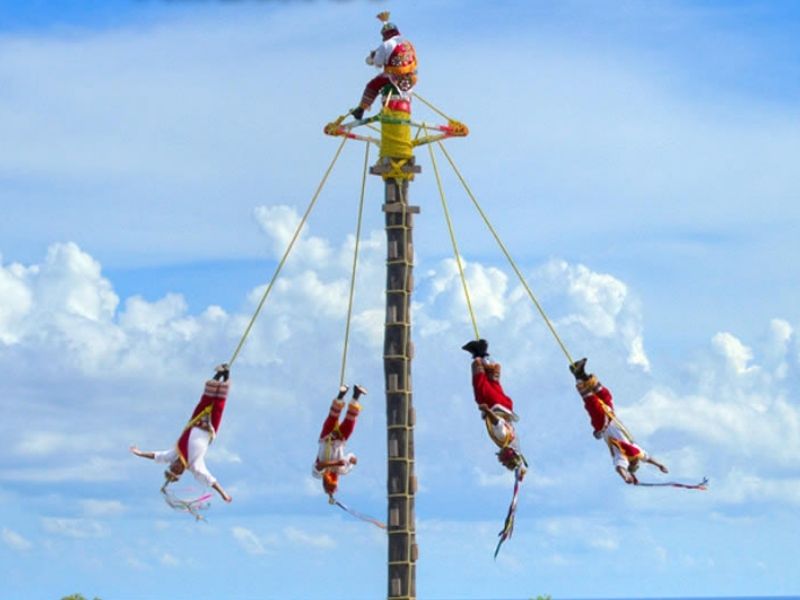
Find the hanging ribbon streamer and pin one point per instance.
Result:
(361, 516)
(702, 486)
(508, 526)
(193, 507)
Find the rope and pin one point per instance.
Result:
(453, 241)
(355, 263)
(612, 416)
(431, 106)
(286, 254)
(508, 256)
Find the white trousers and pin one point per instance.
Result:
(199, 440)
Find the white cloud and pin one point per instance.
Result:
(739, 405)
(736, 354)
(248, 540)
(590, 532)
(280, 224)
(49, 443)
(225, 455)
(74, 528)
(487, 287)
(95, 469)
(168, 560)
(17, 301)
(501, 477)
(102, 508)
(600, 303)
(743, 487)
(15, 541)
(137, 564)
(314, 540)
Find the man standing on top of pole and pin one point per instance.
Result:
(398, 61)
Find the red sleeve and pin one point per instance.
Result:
(596, 413)
(605, 395)
(480, 384)
(216, 413)
(489, 392)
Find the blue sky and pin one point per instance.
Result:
(638, 159)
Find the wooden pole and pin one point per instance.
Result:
(398, 352)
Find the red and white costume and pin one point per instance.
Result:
(599, 403)
(333, 438)
(198, 434)
(398, 61)
(489, 396)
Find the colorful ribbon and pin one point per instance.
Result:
(703, 485)
(508, 526)
(193, 507)
(361, 516)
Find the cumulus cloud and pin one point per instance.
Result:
(741, 486)
(67, 469)
(497, 478)
(17, 301)
(599, 303)
(49, 443)
(168, 560)
(589, 532)
(280, 224)
(740, 404)
(573, 296)
(15, 541)
(102, 508)
(73, 528)
(736, 354)
(303, 538)
(248, 540)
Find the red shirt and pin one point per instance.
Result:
(490, 392)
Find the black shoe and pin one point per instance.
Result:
(342, 391)
(222, 372)
(478, 348)
(578, 368)
(359, 390)
(358, 113)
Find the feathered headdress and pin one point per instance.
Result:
(389, 29)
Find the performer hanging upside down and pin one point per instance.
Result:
(497, 409)
(398, 60)
(190, 451)
(599, 403)
(332, 460)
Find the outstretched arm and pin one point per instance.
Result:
(135, 450)
(223, 494)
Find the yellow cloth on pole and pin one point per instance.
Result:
(396, 137)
